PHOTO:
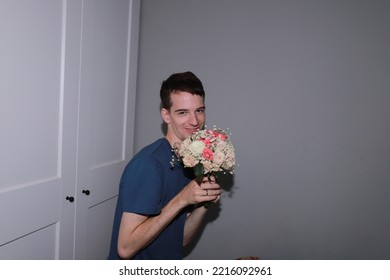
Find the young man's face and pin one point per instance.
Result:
(186, 115)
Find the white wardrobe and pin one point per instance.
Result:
(67, 94)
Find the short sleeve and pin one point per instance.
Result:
(141, 186)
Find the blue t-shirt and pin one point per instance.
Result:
(148, 183)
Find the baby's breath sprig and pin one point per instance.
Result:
(175, 160)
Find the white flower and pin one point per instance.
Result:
(189, 160)
(197, 147)
(219, 157)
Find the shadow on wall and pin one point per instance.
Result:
(227, 183)
(212, 214)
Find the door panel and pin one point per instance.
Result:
(103, 121)
(30, 125)
(27, 209)
(39, 246)
(100, 222)
(30, 55)
(105, 182)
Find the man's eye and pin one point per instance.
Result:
(200, 111)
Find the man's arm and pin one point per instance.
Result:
(192, 225)
(137, 231)
(195, 218)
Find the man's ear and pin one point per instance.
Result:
(165, 115)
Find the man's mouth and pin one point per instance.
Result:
(192, 130)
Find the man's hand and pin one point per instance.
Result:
(208, 190)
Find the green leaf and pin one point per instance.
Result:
(198, 171)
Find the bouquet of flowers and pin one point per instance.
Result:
(209, 152)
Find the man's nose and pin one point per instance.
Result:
(194, 120)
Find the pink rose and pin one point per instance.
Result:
(207, 154)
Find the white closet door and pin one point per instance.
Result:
(31, 106)
(105, 114)
(67, 90)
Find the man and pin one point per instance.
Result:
(159, 207)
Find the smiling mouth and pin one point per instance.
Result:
(192, 130)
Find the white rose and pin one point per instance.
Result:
(197, 147)
(219, 157)
(189, 160)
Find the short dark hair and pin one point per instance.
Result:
(185, 81)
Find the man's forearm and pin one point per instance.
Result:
(133, 239)
(192, 225)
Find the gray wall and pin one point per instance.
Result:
(304, 87)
